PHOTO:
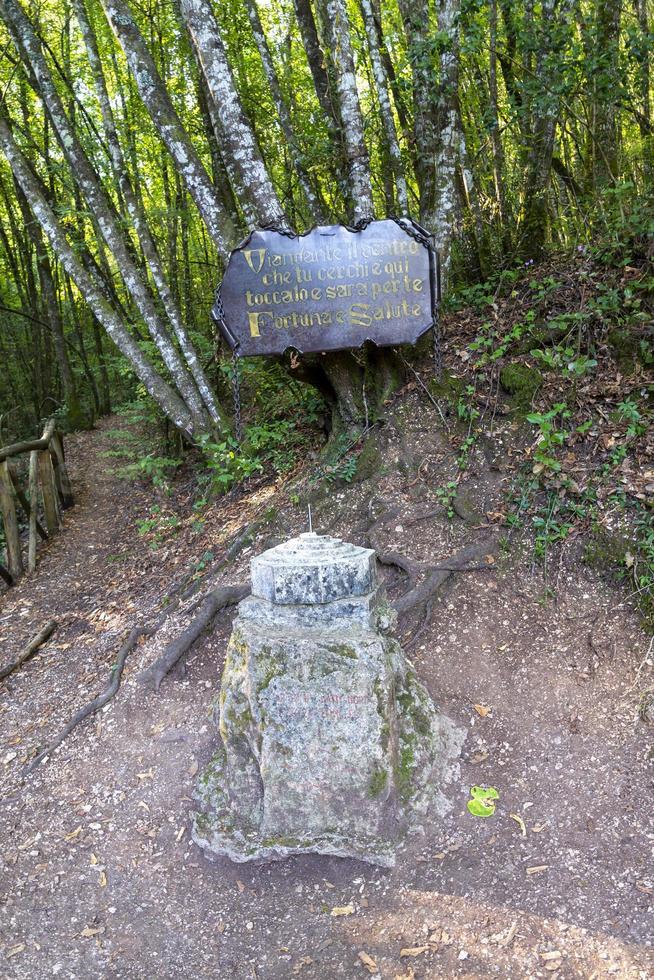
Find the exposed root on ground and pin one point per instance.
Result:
(209, 608)
(102, 699)
(29, 651)
(420, 598)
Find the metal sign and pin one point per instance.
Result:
(331, 289)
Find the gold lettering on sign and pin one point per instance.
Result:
(256, 263)
(254, 321)
(367, 283)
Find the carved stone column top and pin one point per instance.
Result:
(313, 568)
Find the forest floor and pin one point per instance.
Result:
(99, 877)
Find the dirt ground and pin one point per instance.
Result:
(99, 877)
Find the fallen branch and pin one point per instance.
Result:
(31, 648)
(210, 606)
(102, 699)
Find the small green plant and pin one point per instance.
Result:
(629, 412)
(565, 359)
(447, 495)
(227, 464)
(158, 526)
(344, 470)
(482, 802)
(155, 468)
(550, 438)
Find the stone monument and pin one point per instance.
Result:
(328, 742)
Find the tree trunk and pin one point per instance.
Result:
(163, 114)
(385, 110)
(168, 400)
(240, 141)
(606, 88)
(102, 208)
(338, 28)
(282, 112)
(139, 219)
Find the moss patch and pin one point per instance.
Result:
(448, 386)
(378, 782)
(625, 348)
(521, 382)
(604, 551)
(369, 462)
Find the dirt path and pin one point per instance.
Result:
(99, 878)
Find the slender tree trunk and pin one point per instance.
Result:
(282, 110)
(645, 114)
(607, 84)
(163, 114)
(139, 219)
(307, 25)
(241, 144)
(544, 115)
(168, 400)
(105, 385)
(386, 112)
(338, 28)
(101, 206)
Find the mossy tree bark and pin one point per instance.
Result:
(355, 385)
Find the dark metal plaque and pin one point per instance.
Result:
(331, 289)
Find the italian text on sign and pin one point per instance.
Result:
(330, 289)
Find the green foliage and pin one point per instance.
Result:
(226, 463)
(159, 526)
(158, 469)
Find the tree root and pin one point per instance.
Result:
(420, 598)
(209, 607)
(438, 574)
(406, 565)
(102, 699)
(29, 651)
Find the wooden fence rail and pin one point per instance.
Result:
(48, 477)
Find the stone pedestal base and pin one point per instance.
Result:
(328, 742)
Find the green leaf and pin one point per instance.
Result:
(480, 809)
(484, 792)
(481, 804)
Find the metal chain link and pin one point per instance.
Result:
(424, 238)
(437, 344)
(236, 394)
(219, 316)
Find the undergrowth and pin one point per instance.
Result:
(570, 346)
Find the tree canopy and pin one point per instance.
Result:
(140, 143)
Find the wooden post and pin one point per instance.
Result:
(34, 506)
(12, 534)
(65, 486)
(49, 491)
(23, 500)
